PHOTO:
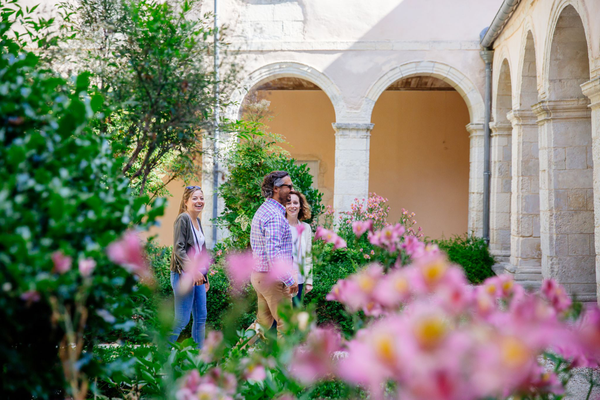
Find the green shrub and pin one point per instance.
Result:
(248, 163)
(331, 266)
(471, 253)
(62, 191)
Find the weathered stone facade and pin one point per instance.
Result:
(552, 51)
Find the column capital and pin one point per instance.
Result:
(592, 90)
(500, 129)
(352, 129)
(352, 126)
(522, 116)
(475, 129)
(561, 109)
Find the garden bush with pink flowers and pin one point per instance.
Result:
(421, 331)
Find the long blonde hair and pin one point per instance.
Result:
(187, 193)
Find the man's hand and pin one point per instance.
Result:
(307, 288)
(207, 285)
(293, 290)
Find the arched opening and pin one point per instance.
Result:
(501, 160)
(303, 113)
(566, 169)
(420, 153)
(525, 218)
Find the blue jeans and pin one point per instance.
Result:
(193, 303)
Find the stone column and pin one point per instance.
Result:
(476, 179)
(592, 90)
(525, 200)
(500, 189)
(208, 189)
(566, 195)
(352, 143)
(225, 143)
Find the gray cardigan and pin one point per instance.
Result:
(183, 240)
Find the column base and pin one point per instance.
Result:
(529, 277)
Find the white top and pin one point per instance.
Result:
(198, 237)
(301, 252)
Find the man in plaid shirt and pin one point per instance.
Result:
(271, 241)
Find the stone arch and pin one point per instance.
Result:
(502, 93)
(286, 69)
(557, 12)
(526, 82)
(445, 72)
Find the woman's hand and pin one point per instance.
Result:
(200, 280)
(307, 288)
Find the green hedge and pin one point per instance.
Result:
(471, 253)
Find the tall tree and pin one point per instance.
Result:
(153, 60)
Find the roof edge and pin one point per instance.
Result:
(506, 11)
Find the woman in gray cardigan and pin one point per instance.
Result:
(188, 238)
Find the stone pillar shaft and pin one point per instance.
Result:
(500, 188)
(525, 199)
(475, 225)
(352, 144)
(208, 188)
(592, 90)
(566, 195)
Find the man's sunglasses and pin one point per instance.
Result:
(291, 187)
(193, 187)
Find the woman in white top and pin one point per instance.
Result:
(297, 211)
(188, 239)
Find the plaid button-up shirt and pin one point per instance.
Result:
(271, 238)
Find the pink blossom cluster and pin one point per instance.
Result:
(388, 237)
(329, 236)
(240, 266)
(440, 338)
(374, 208)
(129, 253)
(215, 384)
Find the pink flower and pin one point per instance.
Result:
(330, 237)
(556, 295)
(61, 262)
(211, 346)
(240, 267)
(314, 360)
(255, 372)
(356, 292)
(360, 227)
(86, 267)
(31, 296)
(394, 289)
(300, 228)
(376, 355)
(431, 272)
(194, 269)
(129, 254)
(413, 246)
(339, 243)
